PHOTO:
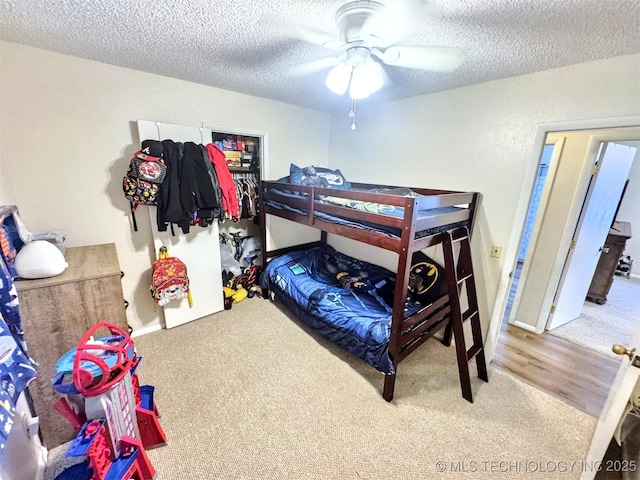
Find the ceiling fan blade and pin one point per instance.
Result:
(314, 66)
(316, 37)
(439, 59)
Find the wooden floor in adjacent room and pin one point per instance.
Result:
(578, 376)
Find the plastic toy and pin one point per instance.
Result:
(91, 442)
(116, 418)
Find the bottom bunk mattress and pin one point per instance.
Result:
(347, 301)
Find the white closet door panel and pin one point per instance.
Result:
(147, 130)
(199, 249)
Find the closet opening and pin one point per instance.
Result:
(240, 243)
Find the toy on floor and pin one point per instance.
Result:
(237, 288)
(116, 418)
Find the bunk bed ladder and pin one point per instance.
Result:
(460, 277)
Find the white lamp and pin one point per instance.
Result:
(358, 72)
(366, 79)
(338, 79)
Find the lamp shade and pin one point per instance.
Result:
(338, 79)
(366, 79)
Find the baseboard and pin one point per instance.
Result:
(146, 330)
(633, 275)
(525, 326)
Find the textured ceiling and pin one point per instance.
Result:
(253, 46)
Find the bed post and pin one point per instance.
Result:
(389, 384)
(263, 233)
(401, 290)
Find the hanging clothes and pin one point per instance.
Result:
(218, 213)
(188, 195)
(197, 195)
(230, 204)
(247, 188)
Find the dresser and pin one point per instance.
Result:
(57, 311)
(613, 247)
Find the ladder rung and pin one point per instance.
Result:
(473, 351)
(459, 239)
(459, 235)
(465, 278)
(468, 314)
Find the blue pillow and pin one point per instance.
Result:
(318, 177)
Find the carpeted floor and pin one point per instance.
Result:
(600, 326)
(251, 394)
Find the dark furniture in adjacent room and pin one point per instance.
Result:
(613, 247)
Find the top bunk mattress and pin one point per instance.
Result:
(289, 198)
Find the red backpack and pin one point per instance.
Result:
(169, 279)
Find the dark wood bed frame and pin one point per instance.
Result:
(409, 333)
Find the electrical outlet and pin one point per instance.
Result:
(496, 251)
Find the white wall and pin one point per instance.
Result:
(6, 190)
(630, 212)
(68, 131)
(480, 138)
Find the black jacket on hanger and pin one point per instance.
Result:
(196, 190)
(169, 206)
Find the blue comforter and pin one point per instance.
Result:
(345, 300)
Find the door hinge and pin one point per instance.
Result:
(553, 309)
(573, 245)
(596, 169)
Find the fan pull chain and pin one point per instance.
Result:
(352, 114)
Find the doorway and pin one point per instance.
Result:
(565, 189)
(550, 236)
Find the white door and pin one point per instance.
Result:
(593, 226)
(614, 407)
(199, 249)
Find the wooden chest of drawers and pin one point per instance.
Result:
(57, 311)
(612, 249)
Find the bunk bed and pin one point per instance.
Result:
(398, 219)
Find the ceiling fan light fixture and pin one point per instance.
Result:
(338, 79)
(366, 79)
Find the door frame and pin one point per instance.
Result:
(606, 134)
(511, 256)
(557, 140)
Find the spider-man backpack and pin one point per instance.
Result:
(169, 279)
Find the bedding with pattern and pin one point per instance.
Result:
(347, 301)
(370, 207)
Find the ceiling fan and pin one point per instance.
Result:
(368, 32)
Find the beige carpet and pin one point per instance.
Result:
(600, 326)
(251, 394)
